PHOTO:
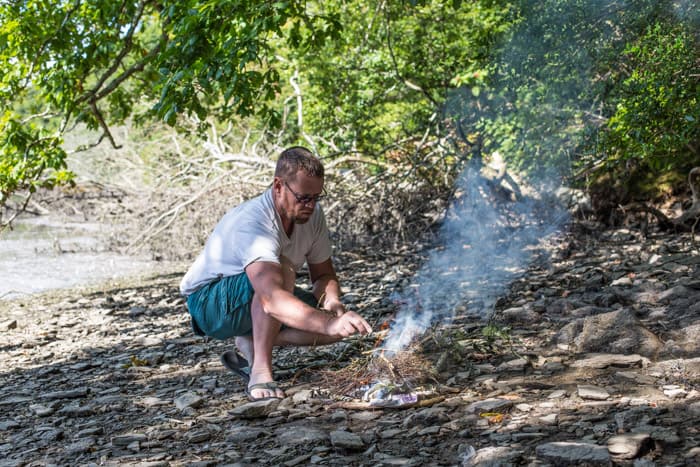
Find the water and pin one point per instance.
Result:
(40, 254)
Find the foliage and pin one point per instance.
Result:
(99, 62)
(656, 117)
(417, 84)
(382, 89)
(29, 160)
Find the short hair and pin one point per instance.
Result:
(295, 159)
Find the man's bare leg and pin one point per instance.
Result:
(265, 332)
(288, 336)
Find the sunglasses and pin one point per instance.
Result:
(305, 199)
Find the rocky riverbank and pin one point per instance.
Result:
(593, 358)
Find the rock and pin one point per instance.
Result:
(301, 435)
(346, 440)
(244, 434)
(80, 446)
(617, 332)
(489, 405)
(608, 360)
(517, 364)
(9, 425)
(573, 453)
(8, 325)
(675, 293)
(628, 419)
(42, 410)
(302, 396)
(666, 435)
(128, 439)
(255, 409)
(549, 419)
(197, 436)
(68, 394)
(674, 391)
(587, 391)
(628, 445)
(557, 394)
(429, 416)
(494, 457)
(189, 399)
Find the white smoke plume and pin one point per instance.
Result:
(484, 245)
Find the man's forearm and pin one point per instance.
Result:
(326, 289)
(289, 310)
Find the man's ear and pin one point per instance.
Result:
(277, 185)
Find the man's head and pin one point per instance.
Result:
(297, 159)
(298, 184)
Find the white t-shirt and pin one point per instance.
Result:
(253, 232)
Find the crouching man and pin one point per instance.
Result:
(242, 284)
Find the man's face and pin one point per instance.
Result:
(299, 196)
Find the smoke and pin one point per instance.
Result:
(544, 93)
(486, 243)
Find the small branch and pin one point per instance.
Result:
(103, 125)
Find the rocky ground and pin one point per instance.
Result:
(592, 358)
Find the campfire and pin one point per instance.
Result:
(385, 378)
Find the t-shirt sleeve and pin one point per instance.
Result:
(257, 244)
(321, 247)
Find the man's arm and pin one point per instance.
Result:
(267, 281)
(326, 286)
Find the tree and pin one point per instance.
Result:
(387, 83)
(99, 62)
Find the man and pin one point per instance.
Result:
(242, 283)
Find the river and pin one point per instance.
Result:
(41, 253)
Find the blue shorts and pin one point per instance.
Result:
(221, 309)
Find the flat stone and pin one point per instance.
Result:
(69, 394)
(41, 410)
(517, 364)
(301, 435)
(15, 400)
(573, 453)
(80, 446)
(558, 394)
(628, 445)
(76, 410)
(664, 434)
(494, 457)
(346, 440)
(9, 425)
(197, 436)
(188, 399)
(608, 360)
(256, 409)
(550, 419)
(587, 391)
(489, 405)
(243, 434)
(128, 439)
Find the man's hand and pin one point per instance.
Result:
(347, 324)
